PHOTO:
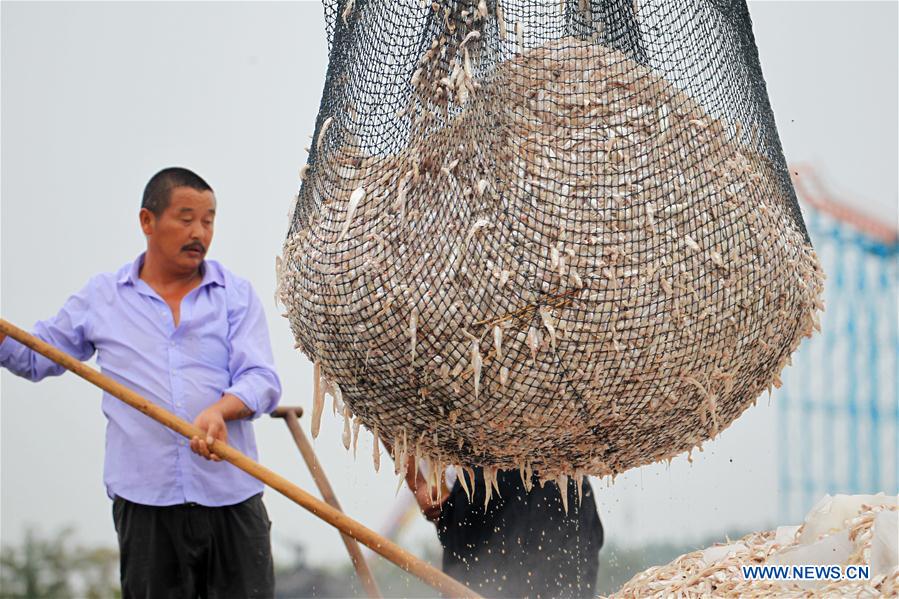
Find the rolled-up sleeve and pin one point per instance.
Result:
(68, 331)
(252, 366)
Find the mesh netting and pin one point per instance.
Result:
(557, 236)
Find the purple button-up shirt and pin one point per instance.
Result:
(220, 346)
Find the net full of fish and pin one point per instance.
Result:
(571, 268)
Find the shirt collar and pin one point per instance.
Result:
(212, 272)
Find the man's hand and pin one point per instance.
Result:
(429, 505)
(212, 422)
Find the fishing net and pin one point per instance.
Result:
(556, 236)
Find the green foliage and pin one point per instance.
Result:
(54, 567)
(299, 579)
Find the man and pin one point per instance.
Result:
(523, 544)
(189, 335)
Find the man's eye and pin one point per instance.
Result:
(186, 221)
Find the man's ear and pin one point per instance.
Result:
(147, 221)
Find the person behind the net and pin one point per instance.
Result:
(522, 543)
(190, 336)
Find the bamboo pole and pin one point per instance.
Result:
(388, 549)
(291, 418)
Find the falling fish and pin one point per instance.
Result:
(472, 35)
(489, 489)
(504, 278)
(533, 342)
(347, 11)
(460, 474)
(336, 396)
(562, 481)
(491, 479)
(346, 427)
(404, 454)
(356, 423)
(717, 260)
(548, 323)
(355, 198)
(376, 450)
(478, 224)
(576, 280)
(322, 132)
(278, 269)
(399, 482)
(498, 341)
(413, 334)
(438, 475)
(710, 403)
(650, 215)
(401, 458)
(691, 243)
(444, 372)
(402, 188)
(318, 399)
(476, 364)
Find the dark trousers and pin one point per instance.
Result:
(524, 544)
(192, 551)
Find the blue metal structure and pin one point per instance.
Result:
(838, 410)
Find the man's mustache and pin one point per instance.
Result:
(194, 246)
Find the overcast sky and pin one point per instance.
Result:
(96, 97)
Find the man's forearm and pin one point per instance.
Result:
(232, 408)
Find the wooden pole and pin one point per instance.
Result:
(291, 418)
(390, 550)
